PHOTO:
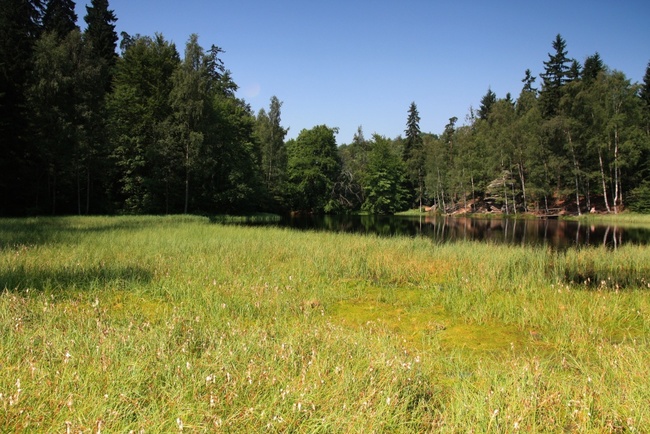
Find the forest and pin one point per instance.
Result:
(92, 127)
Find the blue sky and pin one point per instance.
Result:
(347, 63)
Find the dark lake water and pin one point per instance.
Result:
(542, 232)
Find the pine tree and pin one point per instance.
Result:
(593, 66)
(413, 137)
(60, 17)
(528, 81)
(554, 78)
(487, 102)
(645, 98)
(413, 153)
(574, 72)
(100, 33)
(19, 30)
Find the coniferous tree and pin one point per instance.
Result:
(60, 98)
(19, 30)
(528, 81)
(413, 153)
(554, 77)
(60, 17)
(100, 33)
(645, 99)
(487, 102)
(593, 66)
(101, 41)
(574, 72)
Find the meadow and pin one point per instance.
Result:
(180, 324)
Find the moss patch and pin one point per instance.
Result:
(406, 315)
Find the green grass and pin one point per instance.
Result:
(624, 219)
(169, 324)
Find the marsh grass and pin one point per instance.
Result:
(177, 324)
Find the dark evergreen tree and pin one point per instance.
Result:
(644, 94)
(100, 33)
(413, 154)
(574, 72)
(413, 137)
(528, 81)
(554, 77)
(60, 17)
(60, 100)
(487, 102)
(593, 66)
(19, 30)
(528, 95)
(100, 43)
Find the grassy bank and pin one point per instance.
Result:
(623, 219)
(168, 324)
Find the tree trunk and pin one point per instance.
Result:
(473, 196)
(520, 167)
(576, 169)
(616, 172)
(87, 190)
(602, 177)
(505, 194)
(187, 177)
(78, 192)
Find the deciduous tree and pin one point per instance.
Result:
(313, 167)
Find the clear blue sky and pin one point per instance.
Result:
(350, 63)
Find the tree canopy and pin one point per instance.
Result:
(87, 130)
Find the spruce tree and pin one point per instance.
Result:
(101, 35)
(554, 77)
(19, 30)
(413, 152)
(413, 136)
(528, 81)
(645, 98)
(60, 17)
(487, 102)
(593, 66)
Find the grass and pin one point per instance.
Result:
(628, 219)
(177, 324)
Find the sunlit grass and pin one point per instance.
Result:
(169, 324)
(623, 219)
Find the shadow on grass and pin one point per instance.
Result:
(37, 231)
(49, 230)
(73, 278)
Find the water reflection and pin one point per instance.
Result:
(544, 232)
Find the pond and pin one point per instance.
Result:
(543, 232)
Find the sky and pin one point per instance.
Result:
(351, 63)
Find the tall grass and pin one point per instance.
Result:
(176, 324)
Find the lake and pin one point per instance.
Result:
(542, 232)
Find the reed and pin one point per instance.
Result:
(178, 324)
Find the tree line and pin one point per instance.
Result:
(580, 141)
(88, 127)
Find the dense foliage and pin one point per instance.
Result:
(85, 131)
